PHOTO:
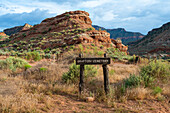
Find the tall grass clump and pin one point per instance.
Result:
(12, 63)
(73, 74)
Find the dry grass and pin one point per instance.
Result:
(138, 93)
(166, 90)
(122, 71)
(21, 102)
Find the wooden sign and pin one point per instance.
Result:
(92, 61)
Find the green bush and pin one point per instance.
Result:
(156, 69)
(27, 66)
(157, 90)
(42, 69)
(33, 56)
(72, 76)
(132, 81)
(73, 73)
(12, 63)
(67, 15)
(100, 53)
(117, 54)
(92, 44)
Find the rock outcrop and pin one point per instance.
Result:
(122, 34)
(70, 28)
(3, 36)
(156, 41)
(17, 29)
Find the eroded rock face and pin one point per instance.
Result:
(118, 44)
(69, 28)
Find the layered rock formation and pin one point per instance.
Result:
(16, 29)
(122, 34)
(156, 41)
(118, 44)
(70, 28)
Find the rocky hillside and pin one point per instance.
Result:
(16, 29)
(121, 33)
(59, 33)
(156, 41)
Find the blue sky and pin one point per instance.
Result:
(133, 15)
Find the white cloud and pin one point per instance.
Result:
(128, 18)
(93, 3)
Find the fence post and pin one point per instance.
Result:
(81, 84)
(106, 76)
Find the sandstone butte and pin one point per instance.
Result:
(69, 28)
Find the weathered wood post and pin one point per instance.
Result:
(106, 76)
(81, 84)
(57, 56)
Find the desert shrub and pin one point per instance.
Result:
(67, 15)
(147, 80)
(89, 29)
(117, 54)
(27, 66)
(131, 59)
(24, 35)
(132, 81)
(101, 47)
(73, 74)
(33, 56)
(92, 44)
(12, 63)
(2, 52)
(157, 90)
(42, 69)
(156, 69)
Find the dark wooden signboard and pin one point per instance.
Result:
(93, 61)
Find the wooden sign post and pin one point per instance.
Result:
(93, 61)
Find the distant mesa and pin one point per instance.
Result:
(156, 41)
(74, 27)
(17, 29)
(122, 34)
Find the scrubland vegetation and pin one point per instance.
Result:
(46, 85)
